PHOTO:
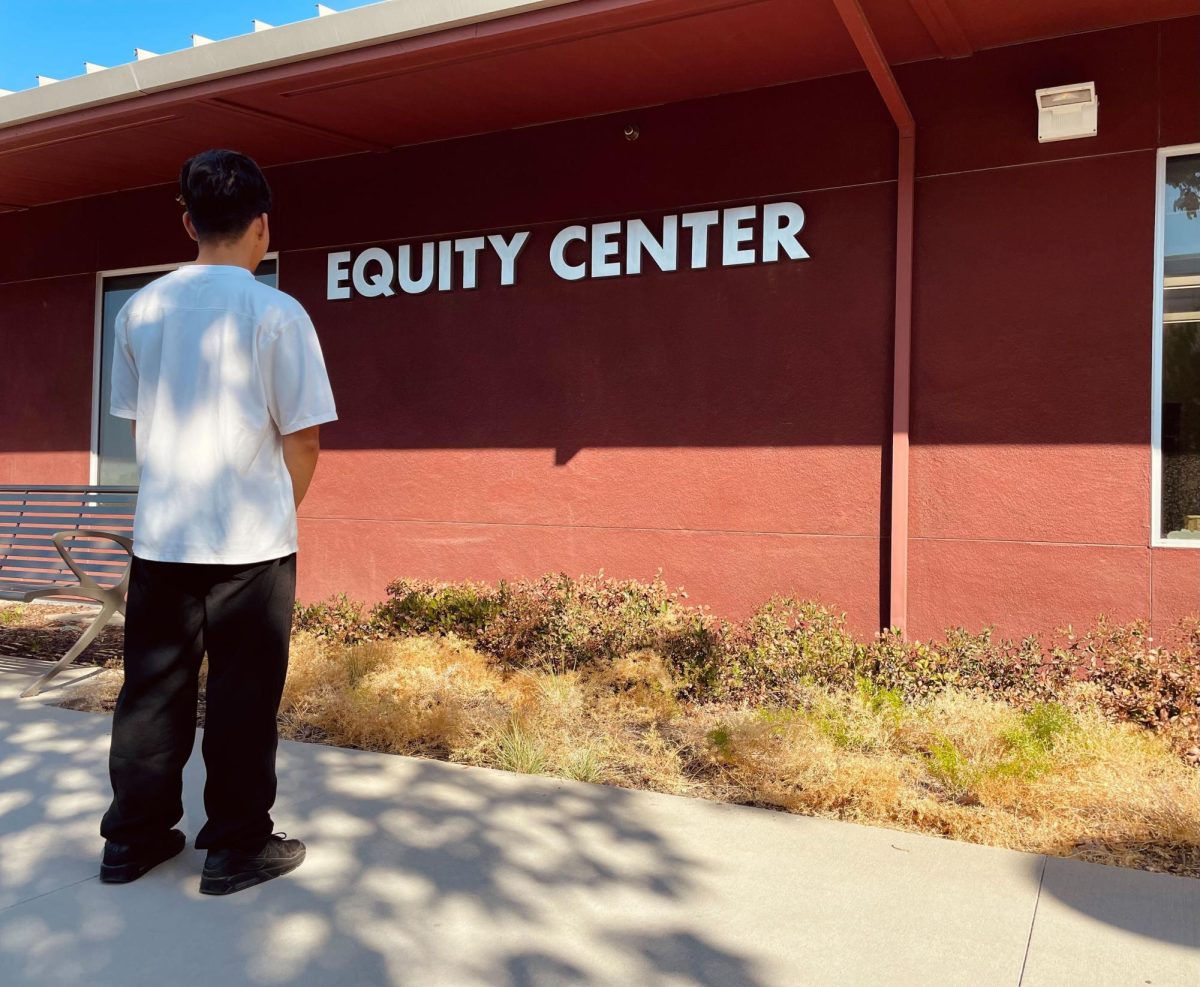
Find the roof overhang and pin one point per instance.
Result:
(303, 41)
(403, 72)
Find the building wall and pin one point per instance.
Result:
(1032, 339)
(727, 426)
(45, 397)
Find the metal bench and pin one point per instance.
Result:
(71, 542)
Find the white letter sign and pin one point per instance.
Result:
(614, 248)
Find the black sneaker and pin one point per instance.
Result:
(124, 862)
(227, 871)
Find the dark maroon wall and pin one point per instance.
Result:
(45, 391)
(728, 425)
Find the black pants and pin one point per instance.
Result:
(241, 615)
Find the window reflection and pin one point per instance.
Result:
(115, 453)
(1181, 350)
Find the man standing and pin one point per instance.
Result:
(224, 383)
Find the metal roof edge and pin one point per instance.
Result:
(361, 27)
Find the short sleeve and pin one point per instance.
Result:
(124, 392)
(294, 378)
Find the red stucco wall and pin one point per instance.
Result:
(726, 426)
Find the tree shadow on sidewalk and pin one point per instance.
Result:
(418, 873)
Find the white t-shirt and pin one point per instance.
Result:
(215, 366)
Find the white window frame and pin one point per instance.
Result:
(97, 347)
(1160, 234)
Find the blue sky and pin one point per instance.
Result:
(55, 37)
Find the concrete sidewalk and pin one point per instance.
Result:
(425, 873)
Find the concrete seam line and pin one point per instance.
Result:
(65, 887)
(1033, 919)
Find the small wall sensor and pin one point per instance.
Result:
(1067, 112)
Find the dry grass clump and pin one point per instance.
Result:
(96, 692)
(420, 695)
(436, 695)
(1057, 779)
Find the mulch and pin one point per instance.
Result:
(33, 633)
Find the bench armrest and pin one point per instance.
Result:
(84, 579)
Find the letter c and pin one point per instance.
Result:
(558, 260)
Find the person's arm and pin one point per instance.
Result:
(300, 452)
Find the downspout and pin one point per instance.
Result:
(868, 47)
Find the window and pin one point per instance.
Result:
(113, 446)
(1177, 350)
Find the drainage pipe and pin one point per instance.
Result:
(872, 55)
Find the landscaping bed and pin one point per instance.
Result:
(1081, 744)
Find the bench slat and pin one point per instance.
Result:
(48, 526)
(125, 508)
(60, 510)
(39, 578)
(51, 525)
(15, 561)
(66, 486)
(25, 552)
(34, 496)
(76, 542)
(13, 512)
(45, 546)
(73, 544)
(10, 566)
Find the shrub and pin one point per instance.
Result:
(416, 607)
(338, 619)
(563, 623)
(1151, 686)
(952, 769)
(777, 654)
(785, 645)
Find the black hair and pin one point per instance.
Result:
(224, 191)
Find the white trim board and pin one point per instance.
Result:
(1156, 383)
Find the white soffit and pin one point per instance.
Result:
(361, 27)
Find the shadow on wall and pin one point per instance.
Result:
(791, 353)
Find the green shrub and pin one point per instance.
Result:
(416, 607)
(338, 619)
(720, 742)
(1135, 681)
(887, 704)
(1029, 745)
(952, 769)
(785, 647)
(563, 624)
